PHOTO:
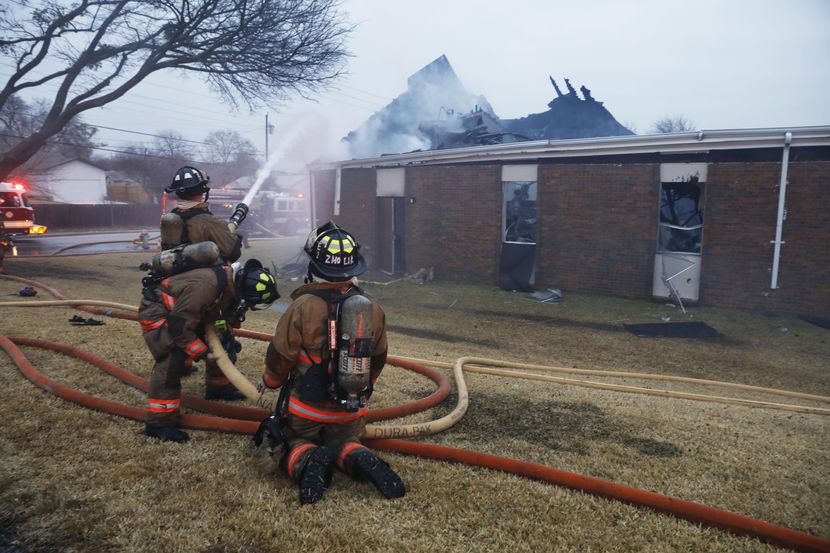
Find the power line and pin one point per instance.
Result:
(165, 105)
(31, 115)
(63, 143)
(360, 90)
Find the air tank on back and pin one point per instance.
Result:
(171, 230)
(186, 257)
(355, 343)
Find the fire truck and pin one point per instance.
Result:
(271, 212)
(16, 214)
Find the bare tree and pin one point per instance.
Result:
(19, 119)
(677, 123)
(95, 51)
(231, 155)
(172, 145)
(227, 146)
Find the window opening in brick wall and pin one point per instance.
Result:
(519, 213)
(681, 217)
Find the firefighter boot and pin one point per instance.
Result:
(316, 475)
(368, 466)
(166, 433)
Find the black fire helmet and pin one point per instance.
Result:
(189, 181)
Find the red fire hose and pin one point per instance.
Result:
(694, 512)
(113, 407)
(688, 510)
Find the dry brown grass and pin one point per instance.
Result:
(76, 480)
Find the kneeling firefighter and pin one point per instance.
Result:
(327, 352)
(173, 316)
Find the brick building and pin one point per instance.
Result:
(699, 215)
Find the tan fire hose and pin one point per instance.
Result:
(72, 303)
(726, 520)
(372, 430)
(688, 510)
(463, 364)
(476, 362)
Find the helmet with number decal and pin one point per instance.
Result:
(334, 253)
(255, 285)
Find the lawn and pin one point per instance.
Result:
(77, 480)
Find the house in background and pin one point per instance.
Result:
(126, 190)
(74, 181)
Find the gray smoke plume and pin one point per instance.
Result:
(433, 94)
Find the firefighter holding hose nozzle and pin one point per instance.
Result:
(191, 237)
(327, 352)
(191, 284)
(191, 222)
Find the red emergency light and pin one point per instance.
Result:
(18, 186)
(300, 195)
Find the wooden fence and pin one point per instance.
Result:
(61, 217)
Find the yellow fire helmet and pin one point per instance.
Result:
(255, 285)
(334, 253)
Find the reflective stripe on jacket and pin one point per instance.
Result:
(316, 414)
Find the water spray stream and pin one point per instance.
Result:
(275, 156)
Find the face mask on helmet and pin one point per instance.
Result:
(256, 286)
(334, 253)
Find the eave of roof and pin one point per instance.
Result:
(673, 143)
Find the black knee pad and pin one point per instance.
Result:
(316, 475)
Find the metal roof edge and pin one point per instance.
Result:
(671, 143)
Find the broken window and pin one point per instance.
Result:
(681, 217)
(520, 212)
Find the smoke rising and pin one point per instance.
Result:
(434, 93)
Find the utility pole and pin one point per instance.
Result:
(268, 130)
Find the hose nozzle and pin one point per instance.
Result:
(239, 214)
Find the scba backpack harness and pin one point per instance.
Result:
(343, 372)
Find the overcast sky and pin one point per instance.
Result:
(719, 63)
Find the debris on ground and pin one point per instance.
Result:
(80, 321)
(421, 276)
(28, 292)
(551, 295)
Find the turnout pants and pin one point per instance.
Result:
(304, 436)
(164, 395)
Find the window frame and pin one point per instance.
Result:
(534, 186)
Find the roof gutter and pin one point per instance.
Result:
(674, 143)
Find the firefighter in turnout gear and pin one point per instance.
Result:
(328, 350)
(191, 221)
(173, 317)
